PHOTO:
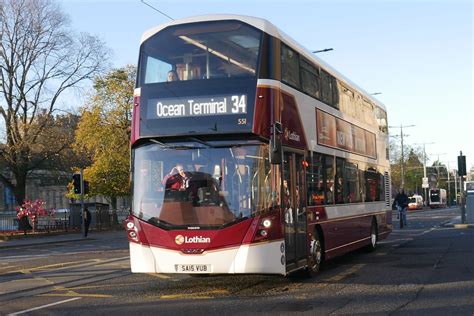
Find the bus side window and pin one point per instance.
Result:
(339, 181)
(156, 70)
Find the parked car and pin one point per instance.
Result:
(415, 202)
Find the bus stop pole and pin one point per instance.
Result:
(83, 228)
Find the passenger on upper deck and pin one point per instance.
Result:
(172, 76)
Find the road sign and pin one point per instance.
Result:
(425, 184)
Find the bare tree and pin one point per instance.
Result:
(40, 59)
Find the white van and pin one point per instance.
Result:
(415, 202)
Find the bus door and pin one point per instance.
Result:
(294, 210)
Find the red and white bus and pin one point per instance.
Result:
(285, 160)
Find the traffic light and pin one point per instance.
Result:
(76, 181)
(461, 165)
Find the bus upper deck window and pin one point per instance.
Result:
(205, 50)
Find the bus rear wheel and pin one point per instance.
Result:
(315, 255)
(373, 236)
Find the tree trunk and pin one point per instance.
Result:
(19, 189)
(113, 202)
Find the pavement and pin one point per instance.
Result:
(457, 223)
(61, 238)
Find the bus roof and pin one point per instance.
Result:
(271, 29)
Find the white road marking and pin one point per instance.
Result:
(44, 306)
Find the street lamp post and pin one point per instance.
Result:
(323, 50)
(456, 185)
(402, 171)
(425, 189)
(437, 168)
(454, 179)
(424, 169)
(449, 189)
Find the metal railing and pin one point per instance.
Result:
(102, 220)
(8, 223)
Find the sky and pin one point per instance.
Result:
(417, 53)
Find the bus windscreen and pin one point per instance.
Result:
(187, 184)
(199, 51)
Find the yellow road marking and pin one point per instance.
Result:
(101, 286)
(64, 264)
(60, 265)
(182, 296)
(201, 295)
(120, 265)
(71, 292)
(161, 276)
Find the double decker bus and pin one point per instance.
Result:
(437, 198)
(249, 154)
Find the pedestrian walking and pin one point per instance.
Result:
(24, 224)
(86, 215)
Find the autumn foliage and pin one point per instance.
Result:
(33, 210)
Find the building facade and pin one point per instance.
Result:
(51, 187)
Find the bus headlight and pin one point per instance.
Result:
(267, 223)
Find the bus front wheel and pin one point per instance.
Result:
(315, 255)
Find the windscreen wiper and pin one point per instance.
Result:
(177, 147)
(200, 141)
(235, 221)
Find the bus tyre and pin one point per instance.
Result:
(315, 255)
(373, 236)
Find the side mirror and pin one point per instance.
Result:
(275, 144)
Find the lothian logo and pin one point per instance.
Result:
(180, 239)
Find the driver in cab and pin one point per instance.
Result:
(176, 179)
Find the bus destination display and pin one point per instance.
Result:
(197, 106)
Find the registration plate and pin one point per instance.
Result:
(193, 268)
